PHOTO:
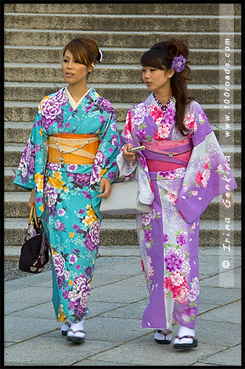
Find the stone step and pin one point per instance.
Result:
(127, 93)
(52, 54)
(121, 74)
(119, 8)
(123, 232)
(15, 206)
(25, 111)
(18, 132)
(122, 39)
(117, 22)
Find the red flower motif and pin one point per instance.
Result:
(199, 177)
(205, 166)
(191, 125)
(155, 112)
(168, 283)
(129, 127)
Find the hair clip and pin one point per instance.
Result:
(100, 56)
(178, 63)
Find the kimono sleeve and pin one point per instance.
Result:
(30, 172)
(139, 169)
(208, 173)
(105, 160)
(125, 167)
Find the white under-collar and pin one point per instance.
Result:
(73, 103)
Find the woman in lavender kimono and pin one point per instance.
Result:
(69, 163)
(181, 169)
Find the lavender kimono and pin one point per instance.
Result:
(66, 195)
(169, 234)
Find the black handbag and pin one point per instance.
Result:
(35, 249)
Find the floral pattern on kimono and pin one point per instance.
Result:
(66, 194)
(169, 234)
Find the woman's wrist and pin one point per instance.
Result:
(129, 157)
(130, 161)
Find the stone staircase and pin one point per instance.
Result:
(34, 37)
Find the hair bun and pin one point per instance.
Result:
(177, 47)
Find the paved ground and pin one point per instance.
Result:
(114, 333)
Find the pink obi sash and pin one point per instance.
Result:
(167, 155)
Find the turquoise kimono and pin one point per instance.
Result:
(66, 194)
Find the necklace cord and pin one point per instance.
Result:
(163, 107)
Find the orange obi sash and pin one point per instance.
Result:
(70, 148)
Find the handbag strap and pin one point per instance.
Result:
(34, 216)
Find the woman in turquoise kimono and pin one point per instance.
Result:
(180, 170)
(69, 163)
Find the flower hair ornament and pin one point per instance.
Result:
(100, 57)
(178, 63)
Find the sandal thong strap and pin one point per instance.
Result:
(165, 334)
(180, 338)
(78, 331)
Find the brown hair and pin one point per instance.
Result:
(84, 49)
(161, 55)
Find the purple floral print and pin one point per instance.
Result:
(114, 140)
(59, 264)
(80, 179)
(105, 105)
(27, 162)
(50, 110)
(89, 243)
(181, 239)
(173, 260)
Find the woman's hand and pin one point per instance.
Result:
(130, 156)
(105, 185)
(227, 199)
(32, 201)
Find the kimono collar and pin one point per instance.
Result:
(151, 100)
(91, 94)
(73, 103)
(164, 121)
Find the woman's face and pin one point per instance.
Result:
(156, 79)
(73, 71)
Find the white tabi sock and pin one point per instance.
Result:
(159, 336)
(65, 326)
(75, 327)
(184, 331)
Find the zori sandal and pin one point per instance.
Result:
(64, 328)
(186, 342)
(163, 337)
(76, 336)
